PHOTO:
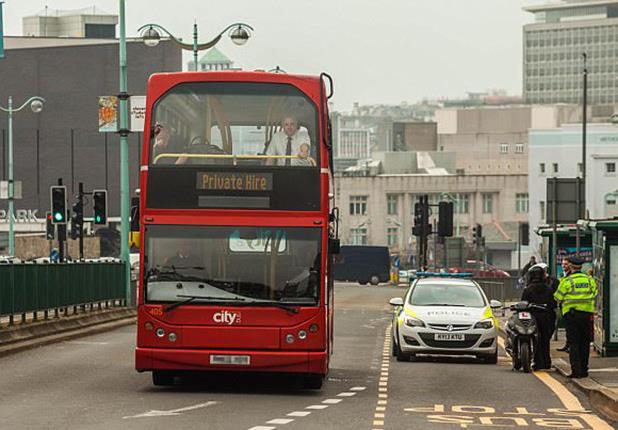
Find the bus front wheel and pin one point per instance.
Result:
(313, 381)
(162, 378)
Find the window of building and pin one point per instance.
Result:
(555, 167)
(392, 236)
(358, 236)
(358, 205)
(542, 168)
(488, 203)
(542, 207)
(580, 168)
(519, 148)
(521, 202)
(504, 148)
(392, 204)
(462, 203)
(610, 168)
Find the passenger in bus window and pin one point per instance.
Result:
(165, 143)
(304, 159)
(285, 146)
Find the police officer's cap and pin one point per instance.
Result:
(576, 260)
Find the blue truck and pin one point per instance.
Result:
(363, 264)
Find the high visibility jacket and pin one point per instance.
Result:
(576, 291)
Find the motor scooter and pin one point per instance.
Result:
(522, 335)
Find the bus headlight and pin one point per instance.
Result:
(160, 332)
(302, 335)
(172, 337)
(289, 338)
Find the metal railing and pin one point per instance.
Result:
(503, 289)
(54, 288)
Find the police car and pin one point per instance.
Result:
(445, 316)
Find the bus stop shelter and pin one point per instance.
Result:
(566, 245)
(605, 264)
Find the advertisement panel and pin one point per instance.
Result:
(108, 114)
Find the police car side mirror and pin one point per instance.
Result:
(396, 301)
(495, 304)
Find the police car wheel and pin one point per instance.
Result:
(491, 358)
(395, 348)
(402, 356)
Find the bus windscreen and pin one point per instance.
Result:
(232, 263)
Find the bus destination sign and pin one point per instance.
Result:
(227, 181)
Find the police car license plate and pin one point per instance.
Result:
(449, 336)
(239, 360)
(524, 316)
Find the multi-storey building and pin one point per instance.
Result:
(494, 140)
(553, 46)
(557, 152)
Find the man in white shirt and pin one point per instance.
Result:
(288, 142)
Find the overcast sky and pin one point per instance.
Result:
(378, 51)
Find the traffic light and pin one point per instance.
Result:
(49, 227)
(417, 230)
(59, 204)
(77, 219)
(477, 233)
(524, 233)
(445, 219)
(100, 206)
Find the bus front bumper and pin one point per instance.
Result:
(147, 359)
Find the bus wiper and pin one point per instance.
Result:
(291, 308)
(189, 299)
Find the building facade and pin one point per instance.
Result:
(89, 23)
(553, 47)
(557, 153)
(63, 141)
(379, 209)
(494, 140)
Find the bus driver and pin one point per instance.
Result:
(288, 142)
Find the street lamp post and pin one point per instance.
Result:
(36, 104)
(238, 32)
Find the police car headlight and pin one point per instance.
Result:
(530, 330)
(486, 323)
(413, 322)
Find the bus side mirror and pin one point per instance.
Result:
(334, 245)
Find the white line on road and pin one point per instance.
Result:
(280, 421)
(262, 428)
(298, 414)
(331, 401)
(317, 407)
(157, 413)
(346, 394)
(358, 388)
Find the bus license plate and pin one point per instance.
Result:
(449, 336)
(238, 360)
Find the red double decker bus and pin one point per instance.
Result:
(237, 225)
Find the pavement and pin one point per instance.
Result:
(77, 322)
(601, 386)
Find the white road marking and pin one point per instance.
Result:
(157, 413)
(280, 421)
(317, 407)
(346, 394)
(299, 414)
(608, 369)
(331, 401)
(262, 428)
(358, 388)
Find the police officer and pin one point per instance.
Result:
(576, 294)
(538, 292)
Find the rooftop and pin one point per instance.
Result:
(572, 4)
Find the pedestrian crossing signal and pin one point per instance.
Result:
(100, 206)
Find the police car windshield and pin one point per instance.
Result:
(446, 294)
